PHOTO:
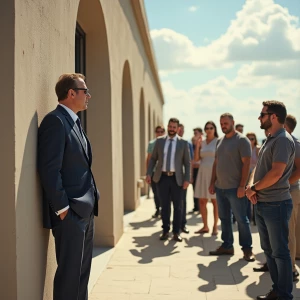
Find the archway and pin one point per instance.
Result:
(142, 139)
(90, 18)
(129, 188)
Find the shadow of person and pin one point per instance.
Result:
(261, 287)
(218, 272)
(153, 248)
(144, 224)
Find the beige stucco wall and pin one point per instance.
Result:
(39, 46)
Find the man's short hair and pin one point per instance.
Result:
(278, 108)
(198, 129)
(174, 120)
(290, 122)
(239, 125)
(159, 127)
(227, 115)
(65, 83)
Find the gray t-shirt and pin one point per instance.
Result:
(278, 148)
(296, 185)
(229, 153)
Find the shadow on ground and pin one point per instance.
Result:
(152, 248)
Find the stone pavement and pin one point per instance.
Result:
(144, 268)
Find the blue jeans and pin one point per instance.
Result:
(272, 220)
(228, 202)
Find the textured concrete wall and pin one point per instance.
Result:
(39, 46)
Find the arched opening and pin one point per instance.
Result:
(90, 18)
(142, 139)
(149, 124)
(153, 124)
(129, 188)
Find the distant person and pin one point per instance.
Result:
(198, 132)
(239, 128)
(229, 177)
(184, 229)
(205, 152)
(269, 191)
(70, 195)
(172, 175)
(159, 131)
(254, 157)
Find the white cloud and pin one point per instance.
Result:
(208, 101)
(262, 31)
(193, 8)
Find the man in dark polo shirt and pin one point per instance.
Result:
(269, 190)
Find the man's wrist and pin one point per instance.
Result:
(253, 188)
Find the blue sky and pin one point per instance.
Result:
(215, 56)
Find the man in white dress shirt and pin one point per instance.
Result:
(172, 175)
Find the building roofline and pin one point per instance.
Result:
(142, 22)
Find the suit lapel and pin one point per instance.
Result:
(76, 130)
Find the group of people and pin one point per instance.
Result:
(236, 175)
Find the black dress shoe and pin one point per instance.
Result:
(185, 230)
(164, 236)
(269, 296)
(156, 214)
(177, 237)
(264, 268)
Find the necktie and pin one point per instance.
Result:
(78, 123)
(168, 165)
(79, 127)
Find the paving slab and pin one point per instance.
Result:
(142, 267)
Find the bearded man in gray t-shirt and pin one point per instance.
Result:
(269, 190)
(229, 177)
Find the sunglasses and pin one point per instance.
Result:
(160, 131)
(262, 114)
(209, 128)
(86, 91)
(251, 139)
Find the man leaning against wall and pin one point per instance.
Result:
(70, 195)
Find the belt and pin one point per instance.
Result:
(168, 173)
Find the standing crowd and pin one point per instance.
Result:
(243, 182)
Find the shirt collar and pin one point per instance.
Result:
(173, 138)
(278, 132)
(70, 112)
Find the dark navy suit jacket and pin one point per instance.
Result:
(64, 166)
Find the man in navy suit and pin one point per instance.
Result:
(70, 195)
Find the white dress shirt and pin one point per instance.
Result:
(172, 161)
(74, 117)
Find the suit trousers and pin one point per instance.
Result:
(196, 200)
(183, 218)
(155, 193)
(74, 249)
(169, 189)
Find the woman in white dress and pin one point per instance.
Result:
(205, 153)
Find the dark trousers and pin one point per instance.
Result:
(169, 189)
(155, 193)
(272, 220)
(74, 249)
(183, 217)
(196, 200)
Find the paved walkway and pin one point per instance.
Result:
(144, 268)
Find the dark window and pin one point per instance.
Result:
(80, 64)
